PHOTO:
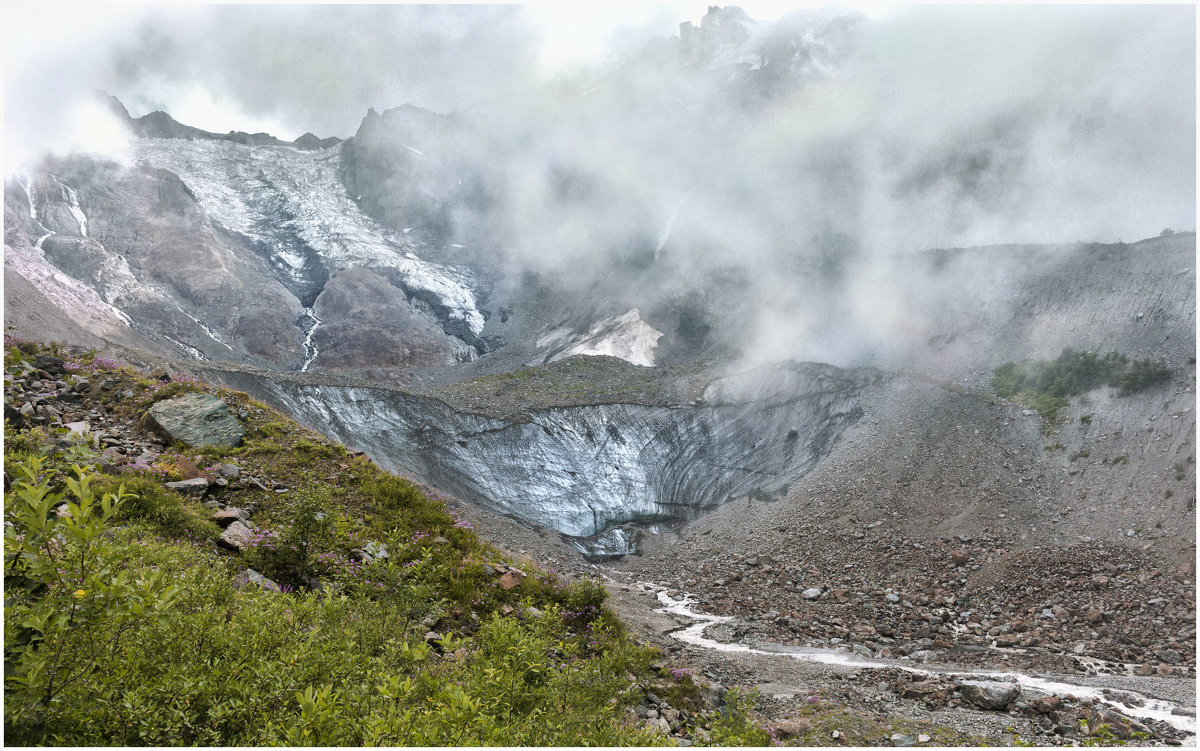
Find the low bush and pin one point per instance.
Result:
(1047, 385)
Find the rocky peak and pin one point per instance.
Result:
(159, 124)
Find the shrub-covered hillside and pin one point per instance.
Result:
(282, 591)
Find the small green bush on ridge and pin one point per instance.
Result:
(1047, 385)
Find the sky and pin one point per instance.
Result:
(287, 69)
(923, 76)
(922, 126)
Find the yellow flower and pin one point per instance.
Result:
(80, 593)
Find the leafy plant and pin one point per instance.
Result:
(71, 606)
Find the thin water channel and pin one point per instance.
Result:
(1144, 707)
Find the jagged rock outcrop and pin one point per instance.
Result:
(159, 124)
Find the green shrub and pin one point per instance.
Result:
(287, 555)
(732, 726)
(1047, 385)
(71, 608)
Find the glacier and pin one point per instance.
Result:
(293, 203)
(596, 474)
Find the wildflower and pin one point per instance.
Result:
(79, 593)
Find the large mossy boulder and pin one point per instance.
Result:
(196, 420)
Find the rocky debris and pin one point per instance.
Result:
(1089, 607)
(370, 552)
(196, 420)
(251, 578)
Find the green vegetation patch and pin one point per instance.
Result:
(125, 625)
(1047, 385)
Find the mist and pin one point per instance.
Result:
(800, 157)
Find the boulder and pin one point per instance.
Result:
(50, 364)
(196, 420)
(931, 690)
(229, 515)
(235, 537)
(1047, 704)
(512, 579)
(79, 427)
(197, 486)
(989, 694)
(792, 727)
(251, 578)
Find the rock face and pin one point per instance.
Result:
(196, 420)
(587, 471)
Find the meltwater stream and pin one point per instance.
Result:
(1151, 708)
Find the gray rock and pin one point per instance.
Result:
(1169, 656)
(251, 578)
(811, 593)
(196, 420)
(235, 537)
(229, 515)
(196, 487)
(892, 597)
(229, 471)
(900, 739)
(989, 694)
(376, 550)
(78, 428)
(81, 384)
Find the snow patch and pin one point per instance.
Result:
(625, 336)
